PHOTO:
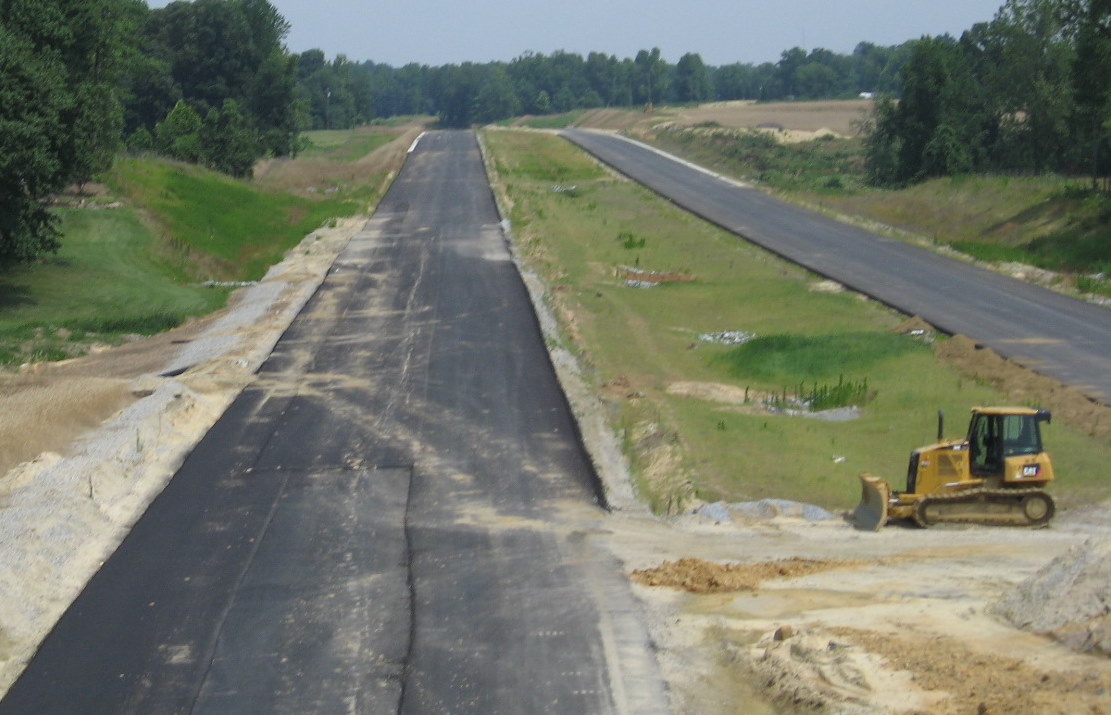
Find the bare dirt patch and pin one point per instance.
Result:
(834, 116)
(825, 619)
(976, 682)
(1068, 599)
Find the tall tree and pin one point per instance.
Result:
(60, 114)
(495, 99)
(33, 102)
(692, 80)
(939, 125)
(1023, 61)
(227, 140)
(230, 49)
(1089, 22)
(651, 77)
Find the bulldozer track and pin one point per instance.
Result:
(1012, 498)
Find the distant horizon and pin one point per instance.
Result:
(443, 32)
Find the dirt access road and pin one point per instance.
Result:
(895, 621)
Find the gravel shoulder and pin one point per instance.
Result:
(109, 430)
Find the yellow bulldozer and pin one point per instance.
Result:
(996, 475)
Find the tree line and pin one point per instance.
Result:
(340, 93)
(1028, 92)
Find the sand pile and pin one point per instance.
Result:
(1069, 599)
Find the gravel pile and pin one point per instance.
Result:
(1068, 599)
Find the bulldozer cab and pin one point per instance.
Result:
(994, 435)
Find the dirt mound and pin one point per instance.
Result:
(1069, 599)
(1068, 404)
(698, 576)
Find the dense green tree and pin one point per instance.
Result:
(603, 74)
(651, 81)
(214, 50)
(940, 124)
(815, 80)
(458, 84)
(495, 99)
(692, 80)
(227, 140)
(33, 102)
(789, 63)
(140, 141)
(1089, 23)
(178, 136)
(1023, 62)
(60, 113)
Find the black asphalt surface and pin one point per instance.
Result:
(1055, 335)
(396, 517)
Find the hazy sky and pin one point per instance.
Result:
(436, 32)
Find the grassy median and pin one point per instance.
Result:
(689, 331)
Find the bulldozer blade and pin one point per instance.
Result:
(871, 513)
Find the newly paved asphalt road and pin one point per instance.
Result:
(1053, 334)
(397, 516)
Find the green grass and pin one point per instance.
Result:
(344, 144)
(105, 281)
(139, 269)
(551, 121)
(648, 339)
(789, 359)
(217, 227)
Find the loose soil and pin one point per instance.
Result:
(699, 576)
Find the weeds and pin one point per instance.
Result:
(630, 241)
(818, 397)
(824, 165)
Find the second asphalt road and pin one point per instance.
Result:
(1053, 334)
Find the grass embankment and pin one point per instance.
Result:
(587, 232)
(1045, 221)
(139, 268)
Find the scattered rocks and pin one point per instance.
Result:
(641, 278)
(763, 509)
(727, 337)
